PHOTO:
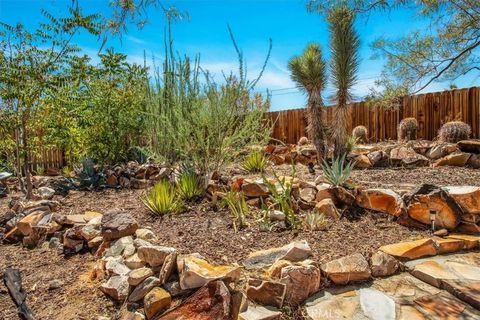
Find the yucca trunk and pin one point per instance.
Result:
(340, 129)
(315, 122)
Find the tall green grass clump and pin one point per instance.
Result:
(162, 198)
(255, 162)
(236, 203)
(190, 184)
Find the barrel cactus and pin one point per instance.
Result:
(360, 134)
(407, 129)
(454, 131)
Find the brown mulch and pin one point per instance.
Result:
(207, 231)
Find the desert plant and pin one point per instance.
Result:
(67, 171)
(308, 72)
(162, 198)
(40, 171)
(315, 221)
(454, 131)
(190, 184)
(88, 178)
(338, 173)
(255, 162)
(360, 133)
(407, 129)
(344, 47)
(350, 144)
(238, 208)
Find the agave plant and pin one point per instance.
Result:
(161, 199)
(315, 221)
(338, 173)
(190, 184)
(255, 162)
(238, 208)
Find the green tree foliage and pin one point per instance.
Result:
(344, 46)
(308, 72)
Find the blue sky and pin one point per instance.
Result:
(287, 22)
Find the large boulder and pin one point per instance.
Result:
(407, 157)
(411, 249)
(441, 150)
(468, 197)
(427, 199)
(213, 301)
(457, 159)
(117, 224)
(294, 251)
(195, 272)
(347, 269)
(383, 200)
(471, 146)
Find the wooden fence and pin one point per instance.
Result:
(431, 110)
(50, 158)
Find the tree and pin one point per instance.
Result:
(31, 67)
(444, 50)
(345, 60)
(308, 72)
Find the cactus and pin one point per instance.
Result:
(360, 134)
(454, 131)
(407, 129)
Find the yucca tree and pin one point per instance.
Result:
(345, 60)
(308, 72)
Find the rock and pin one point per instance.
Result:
(465, 271)
(347, 269)
(276, 215)
(254, 189)
(116, 224)
(448, 245)
(441, 150)
(174, 289)
(302, 141)
(266, 292)
(308, 194)
(440, 306)
(195, 272)
(378, 158)
(156, 301)
(145, 234)
(116, 287)
(143, 288)
(327, 207)
(118, 246)
(383, 265)
(432, 273)
(470, 242)
(383, 200)
(377, 305)
(116, 267)
(426, 198)
(407, 157)
(362, 162)
(127, 315)
(112, 180)
(301, 280)
(294, 251)
(441, 233)
(135, 277)
(26, 224)
(468, 197)
(154, 255)
(72, 241)
(337, 307)
(276, 159)
(258, 312)
(457, 159)
(212, 301)
(90, 231)
(411, 250)
(323, 192)
(55, 284)
(168, 268)
(468, 291)
(139, 183)
(134, 262)
(471, 146)
(474, 161)
(45, 193)
(95, 242)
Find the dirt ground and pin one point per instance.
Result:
(207, 231)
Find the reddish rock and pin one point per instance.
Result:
(327, 207)
(406, 156)
(347, 269)
(266, 292)
(383, 200)
(255, 189)
(468, 197)
(116, 224)
(411, 249)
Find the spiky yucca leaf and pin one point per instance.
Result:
(255, 162)
(338, 173)
(161, 199)
(238, 208)
(190, 184)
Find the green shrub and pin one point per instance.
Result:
(40, 171)
(407, 129)
(190, 184)
(255, 162)
(162, 198)
(338, 173)
(454, 131)
(315, 221)
(238, 208)
(350, 143)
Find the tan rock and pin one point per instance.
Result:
(323, 192)
(117, 224)
(347, 269)
(441, 150)
(254, 189)
(195, 272)
(411, 249)
(362, 162)
(266, 292)
(448, 245)
(383, 200)
(336, 307)
(383, 264)
(156, 301)
(135, 277)
(154, 255)
(406, 156)
(410, 313)
(116, 287)
(168, 268)
(258, 312)
(441, 306)
(277, 159)
(301, 280)
(145, 234)
(465, 271)
(377, 158)
(308, 194)
(468, 197)
(212, 301)
(294, 251)
(134, 262)
(26, 224)
(432, 273)
(468, 291)
(457, 159)
(143, 288)
(470, 241)
(327, 207)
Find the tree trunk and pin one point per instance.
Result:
(340, 129)
(315, 123)
(26, 161)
